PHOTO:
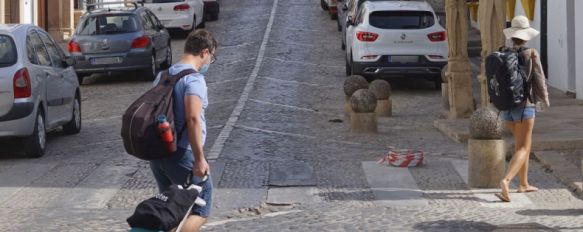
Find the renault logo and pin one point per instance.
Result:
(403, 36)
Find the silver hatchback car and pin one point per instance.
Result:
(39, 90)
(120, 39)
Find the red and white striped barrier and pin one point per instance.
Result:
(403, 158)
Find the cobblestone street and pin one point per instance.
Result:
(275, 102)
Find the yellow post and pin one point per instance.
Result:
(510, 9)
(2, 13)
(474, 10)
(494, 13)
(528, 6)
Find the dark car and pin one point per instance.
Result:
(211, 9)
(120, 39)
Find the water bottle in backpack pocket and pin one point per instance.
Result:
(143, 135)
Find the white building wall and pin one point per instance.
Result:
(579, 48)
(519, 10)
(557, 42)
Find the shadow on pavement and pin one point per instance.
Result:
(551, 212)
(463, 225)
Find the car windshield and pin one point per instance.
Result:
(7, 51)
(402, 19)
(163, 1)
(108, 24)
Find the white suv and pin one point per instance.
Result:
(178, 14)
(395, 38)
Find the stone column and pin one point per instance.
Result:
(444, 88)
(351, 85)
(68, 18)
(486, 150)
(459, 72)
(494, 13)
(363, 118)
(55, 20)
(382, 91)
(2, 11)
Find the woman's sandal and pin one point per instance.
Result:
(502, 197)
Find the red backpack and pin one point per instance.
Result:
(139, 123)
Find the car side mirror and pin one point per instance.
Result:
(349, 21)
(68, 61)
(345, 7)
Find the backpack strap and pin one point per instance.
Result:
(174, 79)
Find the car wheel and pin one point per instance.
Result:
(35, 144)
(80, 78)
(437, 82)
(333, 16)
(202, 24)
(369, 78)
(323, 5)
(74, 126)
(168, 62)
(150, 73)
(348, 67)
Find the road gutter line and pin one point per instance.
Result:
(219, 144)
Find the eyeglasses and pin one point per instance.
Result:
(213, 58)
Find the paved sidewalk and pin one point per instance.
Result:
(558, 128)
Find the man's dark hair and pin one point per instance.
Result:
(199, 40)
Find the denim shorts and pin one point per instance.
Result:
(175, 170)
(518, 114)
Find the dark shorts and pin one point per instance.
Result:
(175, 170)
(518, 114)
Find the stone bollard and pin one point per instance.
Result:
(382, 91)
(444, 88)
(351, 85)
(487, 156)
(363, 118)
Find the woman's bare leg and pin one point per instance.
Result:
(523, 140)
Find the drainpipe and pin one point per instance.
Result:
(544, 36)
(2, 13)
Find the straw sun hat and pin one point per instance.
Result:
(520, 29)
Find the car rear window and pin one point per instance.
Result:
(108, 24)
(7, 51)
(402, 19)
(163, 1)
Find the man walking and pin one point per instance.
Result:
(190, 102)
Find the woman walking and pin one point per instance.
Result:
(520, 121)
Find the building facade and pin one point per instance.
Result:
(560, 42)
(55, 16)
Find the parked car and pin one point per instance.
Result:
(349, 8)
(388, 38)
(39, 91)
(124, 39)
(331, 6)
(185, 15)
(211, 10)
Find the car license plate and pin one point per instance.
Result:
(404, 59)
(106, 60)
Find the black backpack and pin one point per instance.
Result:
(508, 85)
(167, 210)
(139, 127)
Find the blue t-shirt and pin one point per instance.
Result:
(190, 85)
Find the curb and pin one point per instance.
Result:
(561, 168)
